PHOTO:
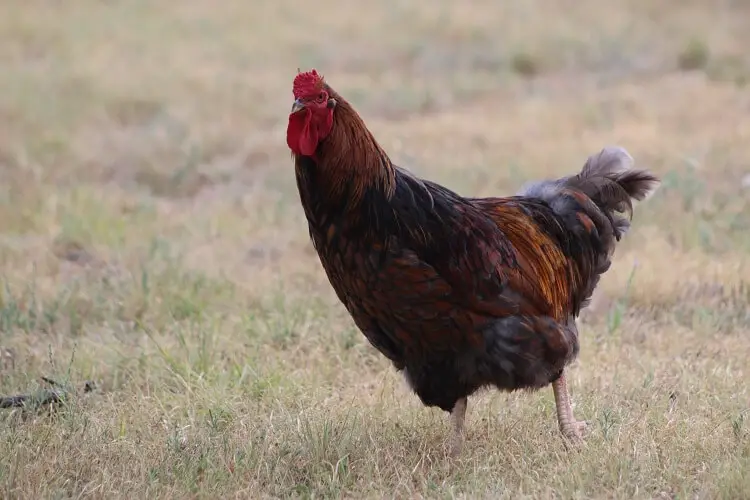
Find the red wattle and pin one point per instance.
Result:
(301, 136)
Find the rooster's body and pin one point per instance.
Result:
(459, 293)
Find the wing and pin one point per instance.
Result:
(497, 252)
(543, 269)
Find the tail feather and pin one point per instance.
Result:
(609, 180)
(616, 162)
(587, 205)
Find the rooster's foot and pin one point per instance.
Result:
(576, 431)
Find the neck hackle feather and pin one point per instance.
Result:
(350, 161)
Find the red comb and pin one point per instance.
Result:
(307, 83)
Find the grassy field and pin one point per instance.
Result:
(152, 240)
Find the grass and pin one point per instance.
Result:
(151, 239)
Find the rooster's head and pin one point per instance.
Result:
(311, 119)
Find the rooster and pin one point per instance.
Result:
(458, 293)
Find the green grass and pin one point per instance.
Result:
(151, 239)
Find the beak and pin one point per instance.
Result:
(297, 106)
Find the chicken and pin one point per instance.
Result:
(458, 293)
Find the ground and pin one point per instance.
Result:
(152, 240)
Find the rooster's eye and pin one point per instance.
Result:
(322, 96)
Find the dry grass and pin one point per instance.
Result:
(152, 240)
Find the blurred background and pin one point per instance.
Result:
(151, 239)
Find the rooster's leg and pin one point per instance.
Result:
(569, 426)
(458, 416)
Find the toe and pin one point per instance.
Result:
(582, 427)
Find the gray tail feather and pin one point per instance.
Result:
(609, 181)
(609, 184)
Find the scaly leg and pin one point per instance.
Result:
(458, 416)
(569, 426)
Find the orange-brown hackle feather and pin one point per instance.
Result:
(307, 83)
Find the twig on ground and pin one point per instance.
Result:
(46, 397)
